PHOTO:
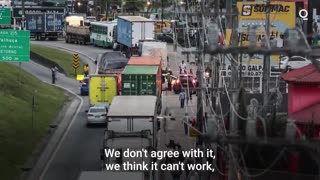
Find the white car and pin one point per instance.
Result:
(294, 62)
(97, 115)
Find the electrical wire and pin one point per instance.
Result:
(268, 168)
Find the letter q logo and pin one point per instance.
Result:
(303, 14)
(246, 10)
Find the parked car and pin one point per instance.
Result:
(294, 62)
(182, 81)
(97, 115)
(84, 88)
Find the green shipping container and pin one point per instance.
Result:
(141, 80)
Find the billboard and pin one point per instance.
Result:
(282, 16)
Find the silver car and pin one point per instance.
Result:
(97, 115)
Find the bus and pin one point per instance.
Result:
(102, 33)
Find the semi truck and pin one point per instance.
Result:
(143, 79)
(130, 30)
(44, 26)
(102, 88)
(77, 30)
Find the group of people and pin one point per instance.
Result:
(54, 70)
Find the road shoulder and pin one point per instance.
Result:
(56, 130)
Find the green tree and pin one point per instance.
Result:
(134, 6)
(106, 4)
(154, 6)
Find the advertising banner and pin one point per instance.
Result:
(54, 22)
(35, 22)
(282, 17)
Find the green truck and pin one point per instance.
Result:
(142, 80)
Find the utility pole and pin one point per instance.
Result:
(266, 61)
(233, 120)
(200, 70)
(23, 15)
(161, 16)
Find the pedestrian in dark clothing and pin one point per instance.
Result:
(53, 74)
(171, 145)
(169, 79)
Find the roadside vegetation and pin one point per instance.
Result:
(63, 59)
(17, 138)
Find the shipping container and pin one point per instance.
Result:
(141, 80)
(45, 25)
(102, 88)
(145, 60)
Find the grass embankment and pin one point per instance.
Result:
(60, 57)
(17, 140)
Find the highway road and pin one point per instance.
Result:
(80, 150)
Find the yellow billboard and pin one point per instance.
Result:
(282, 17)
(282, 12)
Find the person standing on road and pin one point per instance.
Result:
(53, 74)
(315, 32)
(182, 97)
(183, 67)
(169, 79)
(86, 70)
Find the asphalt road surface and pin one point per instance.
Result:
(80, 150)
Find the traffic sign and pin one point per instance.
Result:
(75, 61)
(5, 16)
(14, 45)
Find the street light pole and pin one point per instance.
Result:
(266, 62)
(161, 15)
(23, 15)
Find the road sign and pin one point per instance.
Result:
(14, 45)
(75, 61)
(5, 16)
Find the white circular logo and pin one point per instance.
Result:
(303, 14)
